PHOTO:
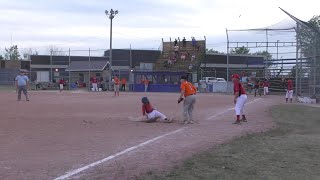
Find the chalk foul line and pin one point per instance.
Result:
(76, 171)
(216, 115)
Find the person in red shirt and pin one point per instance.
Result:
(94, 82)
(61, 84)
(116, 85)
(188, 91)
(151, 114)
(266, 87)
(289, 93)
(240, 99)
(123, 84)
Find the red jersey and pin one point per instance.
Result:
(94, 80)
(238, 88)
(61, 81)
(116, 81)
(146, 109)
(290, 85)
(266, 84)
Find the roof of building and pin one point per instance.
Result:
(87, 66)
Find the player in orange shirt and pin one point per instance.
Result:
(116, 85)
(188, 91)
(123, 84)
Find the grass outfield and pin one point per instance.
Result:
(291, 151)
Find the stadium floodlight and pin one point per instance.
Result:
(111, 14)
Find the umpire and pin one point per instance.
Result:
(22, 82)
(188, 91)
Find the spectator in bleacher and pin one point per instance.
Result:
(175, 42)
(176, 50)
(183, 56)
(193, 58)
(184, 42)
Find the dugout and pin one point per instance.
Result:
(159, 81)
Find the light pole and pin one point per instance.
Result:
(111, 15)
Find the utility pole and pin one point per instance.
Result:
(111, 14)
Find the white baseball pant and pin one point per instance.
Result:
(265, 90)
(241, 101)
(156, 114)
(95, 86)
(61, 86)
(289, 94)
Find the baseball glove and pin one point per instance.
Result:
(180, 100)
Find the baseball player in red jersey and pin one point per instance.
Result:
(94, 82)
(265, 87)
(116, 85)
(240, 99)
(152, 114)
(61, 84)
(289, 93)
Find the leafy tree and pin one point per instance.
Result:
(263, 53)
(28, 52)
(55, 51)
(1, 57)
(308, 38)
(240, 50)
(213, 51)
(12, 53)
(301, 72)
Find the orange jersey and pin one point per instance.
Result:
(188, 89)
(123, 81)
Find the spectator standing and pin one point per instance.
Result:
(194, 42)
(146, 84)
(22, 83)
(175, 42)
(123, 84)
(184, 42)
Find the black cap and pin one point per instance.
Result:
(184, 77)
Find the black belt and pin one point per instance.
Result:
(191, 95)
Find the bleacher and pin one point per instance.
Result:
(179, 65)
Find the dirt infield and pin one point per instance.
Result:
(54, 133)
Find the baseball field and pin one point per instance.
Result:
(84, 135)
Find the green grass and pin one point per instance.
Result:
(291, 151)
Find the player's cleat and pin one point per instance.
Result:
(28, 100)
(191, 122)
(168, 120)
(244, 120)
(237, 122)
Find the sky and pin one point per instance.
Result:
(83, 24)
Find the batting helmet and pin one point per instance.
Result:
(145, 100)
